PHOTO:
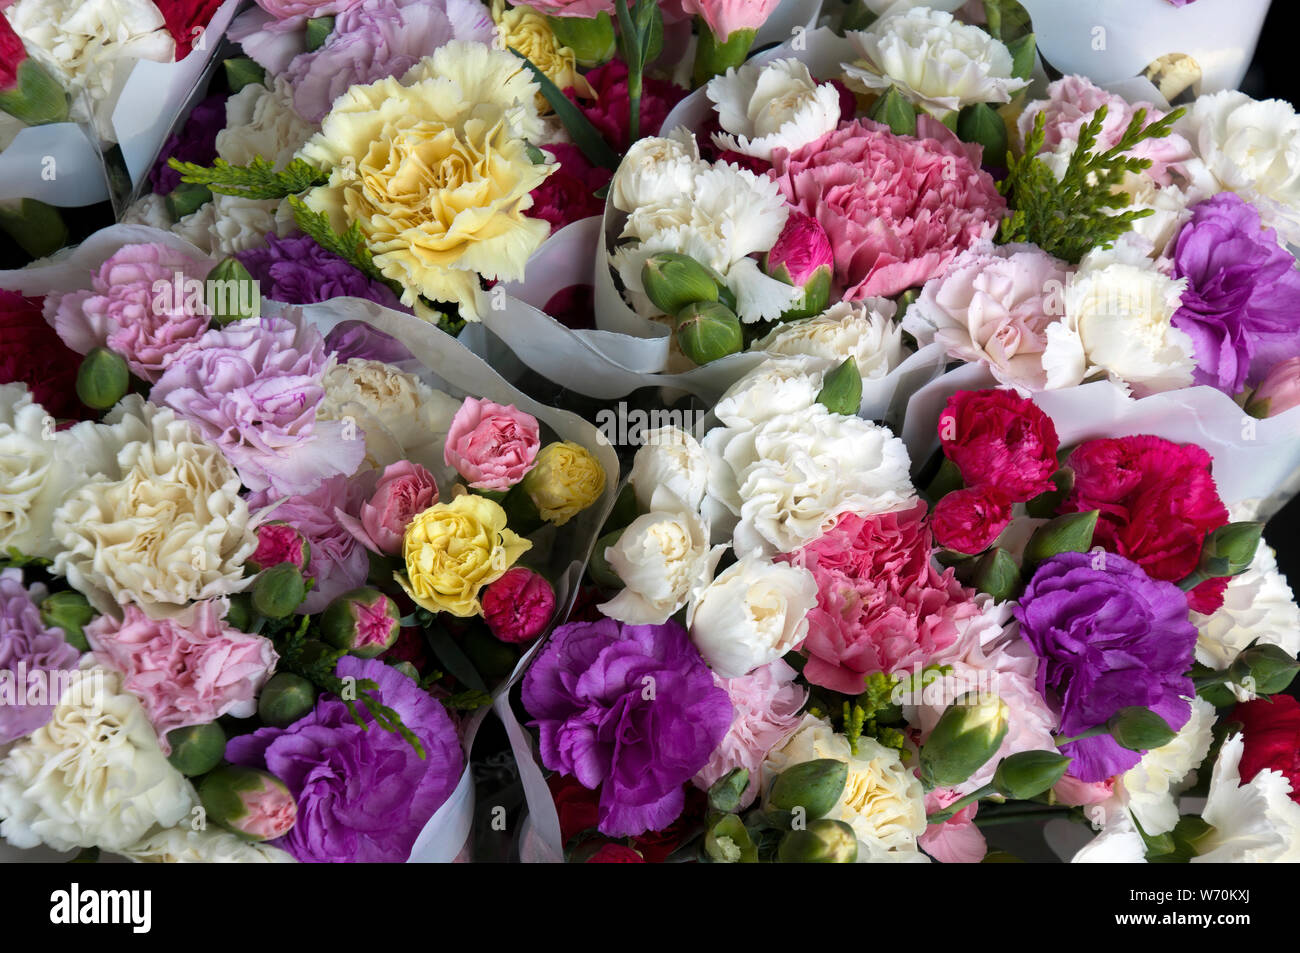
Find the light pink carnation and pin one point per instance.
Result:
(186, 670)
(897, 209)
(571, 8)
(992, 306)
(306, 9)
(270, 811)
(252, 388)
(402, 492)
(137, 305)
(724, 16)
(492, 446)
(1072, 792)
(1069, 105)
(29, 651)
(957, 840)
(766, 703)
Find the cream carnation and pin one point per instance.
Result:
(1150, 786)
(774, 105)
(780, 385)
(936, 61)
(183, 845)
(863, 330)
(261, 121)
(655, 170)
(674, 459)
(228, 224)
(93, 776)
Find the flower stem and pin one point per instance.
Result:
(714, 56)
(951, 810)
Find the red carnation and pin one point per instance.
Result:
(998, 438)
(968, 521)
(34, 354)
(1271, 738)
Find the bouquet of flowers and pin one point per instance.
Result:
(261, 581)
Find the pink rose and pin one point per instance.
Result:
(992, 306)
(1278, 392)
(587, 9)
(138, 305)
(725, 16)
(956, 840)
(402, 491)
(518, 607)
(897, 209)
(492, 446)
(767, 703)
(279, 543)
(969, 520)
(186, 670)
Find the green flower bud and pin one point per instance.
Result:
(1229, 550)
(243, 71)
(672, 281)
(253, 805)
(102, 379)
(893, 109)
(186, 198)
(980, 123)
(1027, 774)
(841, 391)
(234, 293)
(726, 793)
(36, 97)
(997, 574)
(823, 842)
(811, 786)
(1071, 533)
(70, 612)
(728, 842)
(285, 698)
(707, 331)
(240, 615)
(1267, 669)
(278, 591)
(601, 572)
(969, 732)
(590, 38)
(362, 622)
(318, 31)
(1139, 729)
(196, 749)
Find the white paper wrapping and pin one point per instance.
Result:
(60, 165)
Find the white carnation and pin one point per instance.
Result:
(260, 121)
(780, 385)
(183, 845)
(1151, 785)
(656, 170)
(229, 224)
(863, 330)
(1256, 822)
(776, 105)
(673, 459)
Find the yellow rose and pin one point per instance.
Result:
(529, 32)
(565, 480)
(453, 550)
(435, 171)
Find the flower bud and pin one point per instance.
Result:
(1139, 729)
(726, 793)
(196, 749)
(969, 732)
(1071, 533)
(278, 591)
(285, 698)
(1267, 669)
(565, 479)
(1027, 774)
(70, 612)
(186, 198)
(1229, 550)
(893, 109)
(707, 331)
(362, 622)
(37, 228)
(672, 281)
(102, 379)
(279, 543)
(27, 91)
(823, 842)
(841, 391)
(235, 292)
(728, 842)
(802, 257)
(1278, 392)
(981, 124)
(590, 38)
(241, 615)
(253, 805)
(812, 786)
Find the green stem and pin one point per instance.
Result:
(1090, 733)
(1012, 817)
(714, 56)
(633, 106)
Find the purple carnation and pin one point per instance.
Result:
(252, 388)
(196, 142)
(363, 795)
(296, 270)
(26, 647)
(1110, 637)
(357, 340)
(338, 562)
(1243, 293)
(631, 709)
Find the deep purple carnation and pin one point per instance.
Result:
(631, 709)
(196, 142)
(296, 270)
(357, 340)
(1242, 297)
(363, 795)
(1110, 637)
(27, 646)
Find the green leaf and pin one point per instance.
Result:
(1023, 50)
(1006, 20)
(580, 129)
(318, 31)
(980, 123)
(257, 180)
(243, 71)
(895, 112)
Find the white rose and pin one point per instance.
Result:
(1256, 822)
(93, 776)
(863, 330)
(163, 526)
(774, 105)
(882, 800)
(1151, 785)
(182, 845)
(936, 61)
(661, 558)
(780, 385)
(753, 613)
(657, 169)
(230, 224)
(792, 476)
(261, 121)
(1251, 148)
(673, 459)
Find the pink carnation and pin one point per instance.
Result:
(138, 305)
(767, 703)
(998, 438)
(1070, 104)
(271, 811)
(607, 111)
(897, 209)
(402, 492)
(726, 16)
(308, 9)
(957, 840)
(1072, 792)
(279, 543)
(186, 670)
(491, 445)
(587, 9)
(518, 607)
(969, 520)
(881, 605)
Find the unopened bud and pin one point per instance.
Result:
(102, 379)
(70, 612)
(196, 749)
(802, 256)
(728, 842)
(672, 281)
(253, 805)
(823, 841)
(727, 793)
(362, 622)
(969, 732)
(285, 698)
(1230, 550)
(590, 38)
(1027, 774)
(1269, 668)
(278, 591)
(707, 331)
(811, 786)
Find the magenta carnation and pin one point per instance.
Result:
(568, 194)
(518, 606)
(608, 110)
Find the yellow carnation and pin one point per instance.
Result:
(435, 170)
(452, 550)
(565, 480)
(530, 33)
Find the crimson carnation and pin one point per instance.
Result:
(996, 437)
(186, 20)
(569, 193)
(968, 521)
(608, 110)
(1271, 738)
(33, 354)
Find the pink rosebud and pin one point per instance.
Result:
(801, 251)
(1278, 392)
(518, 606)
(279, 543)
(402, 491)
(968, 521)
(492, 446)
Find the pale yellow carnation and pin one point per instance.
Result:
(529, 32)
